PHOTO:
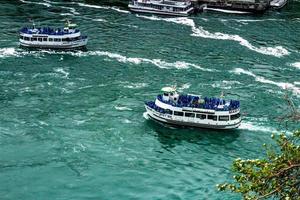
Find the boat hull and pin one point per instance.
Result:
(154, 116)
(159, 12)
(77, 45)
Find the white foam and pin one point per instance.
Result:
(103, 7)
(256, 127)
(261, 79)
(145, 115)
(92, 6)
(277, 51)
(119, 10)
(38, 3)
(99, 20)
(184, 86)
(62, 71)
(225, 84)
(72, 10)
(8, 52)
(157, 62)
(123, 108)
(226, 11)
(296, 64)
(136, 85)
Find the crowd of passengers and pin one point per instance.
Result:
(206, 103)
(47, 31)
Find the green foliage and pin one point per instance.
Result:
(277, 176)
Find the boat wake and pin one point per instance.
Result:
(256, 127)
(135, 85)
(12, 52)
(122, 108)
(157, 62)
(289, 86)
(277, 51)
(145, 115)
(226, 11)
(8, 52)
(103, 7)
(296, 64)
(38, 3)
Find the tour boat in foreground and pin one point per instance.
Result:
(163, 7)
(192, 110)
(45, 37)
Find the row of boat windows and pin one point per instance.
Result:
(44, 39)
(160, 7)
(203, 116)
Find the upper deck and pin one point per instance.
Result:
(48, 31)
(178, 4)
(191, 101)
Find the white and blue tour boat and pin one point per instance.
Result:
(68, 37)
(191, 110)
(163, 7)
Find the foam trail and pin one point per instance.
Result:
(296, 64)
(8, 52)
(38, 3)
(145, 115)
(122, 108)
(62, 71)
(92, 6)
(136, 85)
(252, 127)
(72, 10)
(277, 51)
(119, 10)
(260, 79)
(226, 11)
(157, 62)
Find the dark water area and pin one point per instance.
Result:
(72, 123)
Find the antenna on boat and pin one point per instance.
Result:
(222, 95)
(33, 24)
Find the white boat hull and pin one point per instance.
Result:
(159, 12)
(168, 119)
(54, 45)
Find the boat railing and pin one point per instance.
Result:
(208, 103)
(47, 31)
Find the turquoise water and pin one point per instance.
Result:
(72, 123)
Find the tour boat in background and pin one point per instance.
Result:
(193, 110)
(163, 7)
(68, 37)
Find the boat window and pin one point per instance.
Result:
(166, 94)
(201, 116)
(224, 118)
(189, 114)
(21, 37)
(50, 39)
(26, 38)
(178, 113)
(40, 39)
(64, 39)
(236, 116)
(168, 111)
(34, 39)
(212, 117)
(57, 40)
(44, 39)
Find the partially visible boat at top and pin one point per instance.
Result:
(162, 7)
(68, 37)
(194, 111)
(278, 4)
